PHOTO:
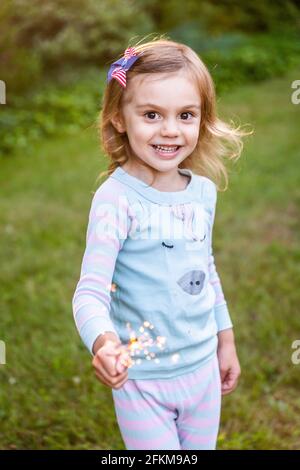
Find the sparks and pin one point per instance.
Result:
(141, 345)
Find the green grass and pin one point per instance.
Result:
(49, 396)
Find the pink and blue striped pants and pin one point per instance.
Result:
(181, 412)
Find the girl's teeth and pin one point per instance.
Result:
(164, 149)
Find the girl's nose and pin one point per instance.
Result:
(170, 128)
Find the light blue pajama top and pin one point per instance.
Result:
(149, 258)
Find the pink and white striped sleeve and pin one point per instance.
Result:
(106, 232)
(222, 315)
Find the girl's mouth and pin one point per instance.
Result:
(166, 152)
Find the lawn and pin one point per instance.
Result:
(49, 396)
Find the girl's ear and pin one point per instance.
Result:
(118, 122)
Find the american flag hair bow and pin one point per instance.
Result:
(119, 68)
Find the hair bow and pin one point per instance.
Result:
(119, 68)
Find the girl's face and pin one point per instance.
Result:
(160, 109)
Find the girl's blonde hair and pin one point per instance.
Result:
(217, 139)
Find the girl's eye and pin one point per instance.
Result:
(187, 112)
(153, 113)
(148, 113)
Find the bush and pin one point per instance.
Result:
(54, 109)
(48, 35)
(260, 57)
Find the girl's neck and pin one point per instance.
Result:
(164, 181)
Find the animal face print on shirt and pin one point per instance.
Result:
(192, 282)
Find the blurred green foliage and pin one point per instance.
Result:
(43, 37)
(59, 107)
(253, 59)
(54, 55)
(217, 16)
(46, 36)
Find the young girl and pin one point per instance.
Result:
(149, 304)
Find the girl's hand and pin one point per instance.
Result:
(123, 360)
(110, 366)
(229, 365)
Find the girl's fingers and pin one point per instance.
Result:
(122, 358)
(107, 375)
(99, 369)
(223, 374)
(117, 384)
(112, 372)
(123, 362)
(108, 369)
(227, 391)
(120, 383)
(229, 383)
(120, 368)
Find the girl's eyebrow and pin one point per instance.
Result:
(151, 105)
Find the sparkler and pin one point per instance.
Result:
(140, 345)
